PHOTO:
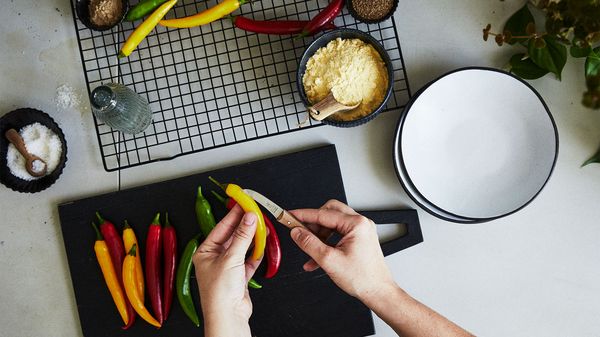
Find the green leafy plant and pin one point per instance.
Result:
(570, 27)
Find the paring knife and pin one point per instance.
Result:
(409, 219)
(282, 216)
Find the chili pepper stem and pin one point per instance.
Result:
(219, 197)
(156, 220)
(222, 186)
(126, 224)
(100, 218)
(167, 223)
(133, 250)
(99, 236)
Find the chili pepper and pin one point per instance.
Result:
(326, 15)
(182, 280)
(204, 214)
(248, 205)
(273, 249)
(279, 27)
(131, 289)
(117, 255)
(153, 264)
(110, 275)
(212, 14)
(141, 9)
(145, 28)
(129, 239)
(169, 258)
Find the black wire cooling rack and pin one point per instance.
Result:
(213, 85)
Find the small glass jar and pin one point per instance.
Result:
(121, 108)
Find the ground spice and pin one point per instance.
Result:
(372, 9)
(353, 71)
(105, 12)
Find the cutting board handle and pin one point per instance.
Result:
(409, 217)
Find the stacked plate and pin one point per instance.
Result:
(475, 145)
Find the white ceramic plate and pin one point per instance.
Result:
(478, 143)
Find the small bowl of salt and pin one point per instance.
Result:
(43, 139)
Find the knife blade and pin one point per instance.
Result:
(281, 215)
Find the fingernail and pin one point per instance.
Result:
(249, 219)
(295, 233)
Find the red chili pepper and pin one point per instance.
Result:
(325, 16)
(117, 255)
(273, 248)
(169, 259)
(153, 267)
(277, 27)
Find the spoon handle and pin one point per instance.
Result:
(327, 107)
(15, 138)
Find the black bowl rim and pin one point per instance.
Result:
(79, 10)
(355, 15)
(354, 33)
(399, 160)
(9, 180)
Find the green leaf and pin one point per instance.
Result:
(580, 48)
(592, 63)
(552, 57)
(525, 68)
(518, 22)
(580, 52)
(593, 159)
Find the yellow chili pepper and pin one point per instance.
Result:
(129, 239)
(110, 276)
(248, 205)
(212, 14)
(131, 289)
(145, 28)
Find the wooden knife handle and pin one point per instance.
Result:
(290, 221)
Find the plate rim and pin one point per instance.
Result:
(399, 158)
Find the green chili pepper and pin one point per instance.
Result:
(182, 280)
(253, 284)
(204, 214)
(142, 8)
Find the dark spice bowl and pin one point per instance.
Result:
(346, 33)
(355, 12)
(83, 13)
(17, 119)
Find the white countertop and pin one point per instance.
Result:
(534, 273)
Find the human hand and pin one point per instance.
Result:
(356, 263)
(222, 272)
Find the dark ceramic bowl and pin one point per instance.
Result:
(346, 33)
(18, 119)
(352, 11)
(83, 13)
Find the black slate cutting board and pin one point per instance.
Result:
(293, 303)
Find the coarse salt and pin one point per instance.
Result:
(39, 141)
(66, 97)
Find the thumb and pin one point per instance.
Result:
(311, 244)
(243, 235)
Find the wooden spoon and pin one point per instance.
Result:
(15, 138)
(327, 107)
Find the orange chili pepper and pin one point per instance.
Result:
(131, 289)
(110, 276)
(129, 239)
